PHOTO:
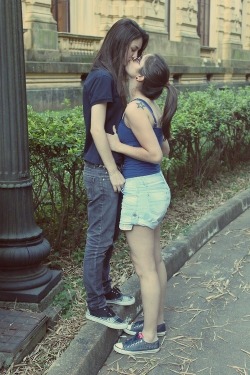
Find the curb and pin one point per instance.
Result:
(90, 348)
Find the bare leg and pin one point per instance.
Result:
(162, 274)
(141, 241)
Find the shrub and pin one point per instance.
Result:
(56, 144)
(210, 131)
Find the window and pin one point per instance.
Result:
(60, 10)
(203, 21)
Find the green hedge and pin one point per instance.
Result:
(210, 130)
(56, 143)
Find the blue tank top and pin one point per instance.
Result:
(133, 167)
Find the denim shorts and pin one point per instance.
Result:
(145, 201)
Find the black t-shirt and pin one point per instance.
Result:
(99, 87)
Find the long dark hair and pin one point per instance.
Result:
(113, 50)
(156, 76)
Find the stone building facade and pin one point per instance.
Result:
(202, 40)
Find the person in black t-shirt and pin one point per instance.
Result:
(104, 100)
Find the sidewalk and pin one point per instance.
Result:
(207, 310)
(207, 313)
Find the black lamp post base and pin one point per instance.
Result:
(34, 295)
(22, 246)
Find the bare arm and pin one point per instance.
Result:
(98, 116)
(138, 121)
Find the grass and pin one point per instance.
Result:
(187, 207)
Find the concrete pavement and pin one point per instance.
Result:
(207, 310)
(207, 313)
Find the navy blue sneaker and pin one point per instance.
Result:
(136, 327)
(115, 297)
(107, 317)
(137, 345)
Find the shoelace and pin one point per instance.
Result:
(109, 311)
(116, 291)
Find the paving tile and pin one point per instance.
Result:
(17, 328)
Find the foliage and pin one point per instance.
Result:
(71, 296)
(56, 144)
(65, 298)
(210, 132)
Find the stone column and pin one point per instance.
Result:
(150, 14)
(41, 38)
(22, 245)
(232, 30)
(246, 25)
(183, 20)
(83, 18)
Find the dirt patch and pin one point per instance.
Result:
(186, 208)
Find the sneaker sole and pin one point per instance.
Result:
(120, 303)
(106, 323)
(132, 333)
(127, 352)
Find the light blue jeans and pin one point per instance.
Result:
(145, 201)
(103, 220)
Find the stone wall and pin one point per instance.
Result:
(56, 62)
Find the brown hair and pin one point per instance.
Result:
(156, 76)
(113, 50)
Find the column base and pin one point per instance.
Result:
(34, 295)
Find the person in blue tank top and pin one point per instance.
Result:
(104, 100)
(142, 137)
